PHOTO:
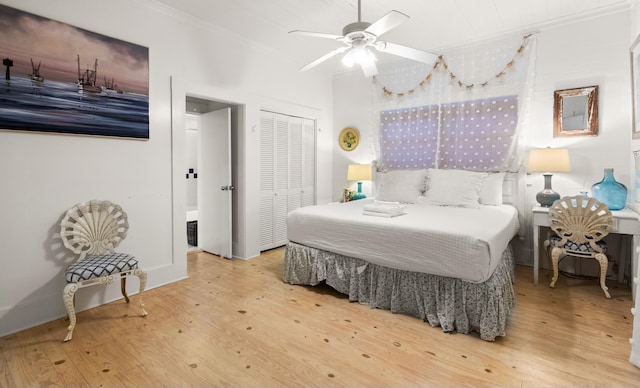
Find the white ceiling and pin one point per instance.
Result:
(434, 25)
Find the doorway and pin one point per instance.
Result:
(211, 141)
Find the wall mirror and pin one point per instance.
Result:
(575, 112)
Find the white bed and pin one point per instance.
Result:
(449, 265)
(465, 243)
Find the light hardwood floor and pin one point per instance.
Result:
(235, 323)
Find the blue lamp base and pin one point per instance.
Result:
(359, 194)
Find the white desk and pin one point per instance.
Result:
(625, 222)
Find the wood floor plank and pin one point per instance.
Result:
(235, 323)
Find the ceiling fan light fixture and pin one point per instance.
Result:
(364, 55)
(347, 59)
(360, 55)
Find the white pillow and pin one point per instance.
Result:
(491, 193)
(454, 187)
(402, 186)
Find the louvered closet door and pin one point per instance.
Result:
(295, 163)
(274, 179)
(280, 199)
(308, 158)
(302, 162)
(267, 132)
(287, 169)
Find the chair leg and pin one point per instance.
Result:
(68, 296)
(555, 255)
(143, 283)
(546, 251)
(604, 264)
(123, 287)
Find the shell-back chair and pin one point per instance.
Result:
(579, 224)
(93, 230)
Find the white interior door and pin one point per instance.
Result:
(214, 183)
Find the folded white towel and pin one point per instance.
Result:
(379, 214)
(377, 202)
(384, 207)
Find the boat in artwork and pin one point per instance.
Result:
(110, 87)
(87, 78)
(35, 73)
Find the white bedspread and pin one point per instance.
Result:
(465, 243)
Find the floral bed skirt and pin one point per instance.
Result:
(452, 304)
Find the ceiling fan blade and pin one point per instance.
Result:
(317, 34)
(324, 58)
(369, 68)
(406, 52)
(388, 22)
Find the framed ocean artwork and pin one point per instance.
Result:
(63, 79)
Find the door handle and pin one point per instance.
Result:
(224, 188)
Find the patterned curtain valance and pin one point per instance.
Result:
(441, 65)
(463, 99)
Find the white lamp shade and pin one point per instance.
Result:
(549, 160)
(359, 172)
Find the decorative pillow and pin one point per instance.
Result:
(401, 185)
(454, 187)
(491, 193)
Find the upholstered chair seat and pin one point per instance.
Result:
(583, 248)
(99, 266)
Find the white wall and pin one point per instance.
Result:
(41, 175)
(592, 52)
(351, 108)
(582, 53)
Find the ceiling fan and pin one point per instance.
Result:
(360, 36)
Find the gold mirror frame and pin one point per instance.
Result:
(575, 112)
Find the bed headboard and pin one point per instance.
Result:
(513, 192)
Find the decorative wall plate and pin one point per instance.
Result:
(349, 139)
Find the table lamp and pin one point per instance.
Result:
(548, 160)
(359, 172)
